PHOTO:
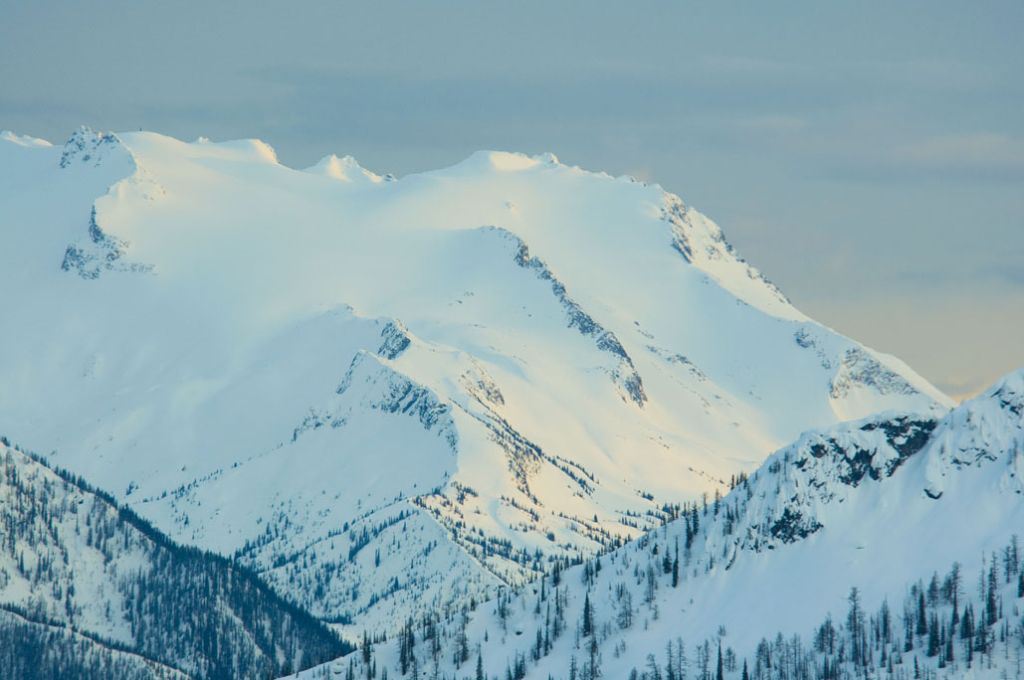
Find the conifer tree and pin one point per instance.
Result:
(991, 606)
(933, 636)
(365, 648)
(587, 625)
(593, 669)
(922, 615)
(855, 625)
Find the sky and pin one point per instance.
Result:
(868, 157)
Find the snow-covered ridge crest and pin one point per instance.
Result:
(244, 150)
(624, 374)
(978, 433)
(385, 389)
(346, 169)
(504, 161)
(701, 242)
(825, 467)
(985, 434)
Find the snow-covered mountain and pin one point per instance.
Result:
(921, 515)
(89, 590)
(390, 395)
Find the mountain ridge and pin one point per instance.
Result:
(213, 302)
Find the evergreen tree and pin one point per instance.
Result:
(855, 626)
(922, 615)
(991, 606)
(365, 648)
(653, 671)
(625, 613)
(933, 636)
(462, 643)
(406, 647)
(587, 625)
(954, 591)
(593, 668)
(967, 622)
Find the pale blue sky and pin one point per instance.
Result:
(867, 156)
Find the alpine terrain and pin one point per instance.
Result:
(393, 397)
(887, 547)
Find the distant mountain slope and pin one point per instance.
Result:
(336, 375)
(31, 650)
(923, 516)
(89, 590)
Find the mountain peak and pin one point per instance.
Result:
(1009, 388)
(88, 147)
(505, 161)
(251, 149)
(345, 169)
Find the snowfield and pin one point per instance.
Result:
(390, 396)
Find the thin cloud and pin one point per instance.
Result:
(974, 157)
(979, 151)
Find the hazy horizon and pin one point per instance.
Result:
(868, 161)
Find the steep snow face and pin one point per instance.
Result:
(976, 433)
(518, 358)
(875, 504)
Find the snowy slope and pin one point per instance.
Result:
(337, 374)
(84, 583)
(880, 504)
